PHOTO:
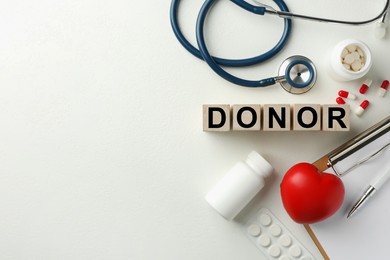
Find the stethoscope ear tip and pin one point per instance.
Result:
(380, 30)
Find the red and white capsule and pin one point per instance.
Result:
(383, 88)
(362, 107)
(340, 101)
(365, 86)
(346, 94)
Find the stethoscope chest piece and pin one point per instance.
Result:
(297, 74)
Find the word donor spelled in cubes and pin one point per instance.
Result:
(280, 117)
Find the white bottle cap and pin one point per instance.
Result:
(230, 195)
(259, 164)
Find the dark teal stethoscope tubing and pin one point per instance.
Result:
(215, 62)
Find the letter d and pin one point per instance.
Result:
(212, 121)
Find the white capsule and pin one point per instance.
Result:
(274, 251)
(254, 230)
(383, 88)
(359, 111)
(361, 53)
(285, 240)
(349, 59)
(356, 55)
(351, 48)
(264, 240)
(356, 65)
(363, 60)
(362, 107)
(347, 66)
(295, 251)
(344, 53)
(347, 94)
(381, 92)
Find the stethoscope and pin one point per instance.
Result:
(297, 74)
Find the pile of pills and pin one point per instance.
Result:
(353, 58)
(273, 239)
(362, 90)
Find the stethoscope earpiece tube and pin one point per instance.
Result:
(215, 66)
(214, 62)
(251, 8)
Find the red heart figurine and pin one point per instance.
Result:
(309, 195)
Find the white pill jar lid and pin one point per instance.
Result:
(339, 71)
(230, 195)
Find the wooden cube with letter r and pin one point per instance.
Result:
(335, 118)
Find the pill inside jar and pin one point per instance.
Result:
(353, 58)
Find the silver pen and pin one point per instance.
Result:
(375, 185)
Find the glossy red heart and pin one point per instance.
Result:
(309, 195)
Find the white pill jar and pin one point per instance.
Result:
(350, 59)
(230, 195)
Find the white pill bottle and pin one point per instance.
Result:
(230, 195)
(343, 60)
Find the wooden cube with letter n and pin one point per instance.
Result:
(276, 118)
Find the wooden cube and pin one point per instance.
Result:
(246, 117)
(276, 118)
(216, 118)
(335, 118)
(306, 117)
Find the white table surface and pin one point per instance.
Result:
(102, 152)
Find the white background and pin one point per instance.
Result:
(102, 153)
